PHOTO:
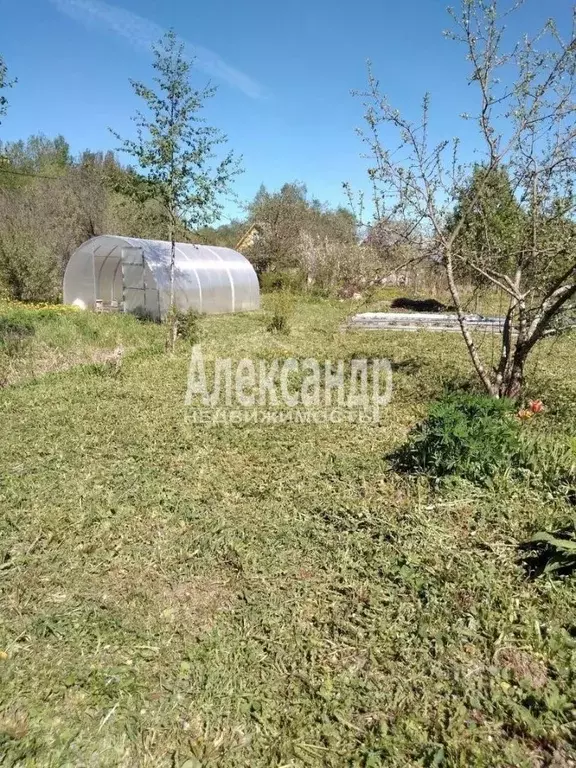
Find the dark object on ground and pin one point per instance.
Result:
(550, 553)
(420, 305)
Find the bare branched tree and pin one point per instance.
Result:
(526, 128)
(332, 266)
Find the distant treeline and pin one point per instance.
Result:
(52, 201)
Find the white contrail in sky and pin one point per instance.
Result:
(141, 33)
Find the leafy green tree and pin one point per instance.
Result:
(175, 149)
(280, 217)
(226, 235)
(38, 156)
(285, 217)
(494, 228)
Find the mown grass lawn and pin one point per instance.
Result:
(179, 595)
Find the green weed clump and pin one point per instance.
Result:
(550, 461)
(14, 333)
(38, 339)
(188, 325)
(467, 435)
(282, 306)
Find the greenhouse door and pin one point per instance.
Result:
(133, 280)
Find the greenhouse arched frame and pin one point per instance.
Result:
(131, 275)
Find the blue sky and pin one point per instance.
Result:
(284, 71)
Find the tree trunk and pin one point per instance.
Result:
(511, 376)
(512, 386)
(172, 319)
(468, 339)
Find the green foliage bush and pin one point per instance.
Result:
(467, 435)
(15, 324)
(282, 280)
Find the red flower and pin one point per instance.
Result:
(536, 406)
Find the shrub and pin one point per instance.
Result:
(282, 280)
(467, 435)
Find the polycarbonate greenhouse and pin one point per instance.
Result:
(131, 275)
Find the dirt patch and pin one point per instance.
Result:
(146, 595)
(13, 725)
(523, 666)
(198, 602)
